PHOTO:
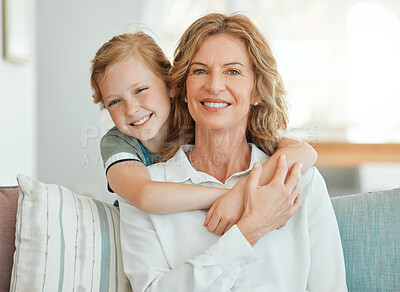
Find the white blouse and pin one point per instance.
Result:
(175, 252)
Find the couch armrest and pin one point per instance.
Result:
(8, 211)
(369, 225)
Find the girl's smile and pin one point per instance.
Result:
(138, 100)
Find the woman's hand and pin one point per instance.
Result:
(225, 212)
(269, 207)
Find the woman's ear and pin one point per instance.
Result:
(255, 97)
(255, 100)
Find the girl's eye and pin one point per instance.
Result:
(141, 89)
(233, 72)
(114, 102)
(199, 71)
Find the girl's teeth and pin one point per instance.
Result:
(142, 121)
(216, 104)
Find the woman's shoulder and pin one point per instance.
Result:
(313, 184)
(172, 169)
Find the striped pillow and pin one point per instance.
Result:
(65, 242)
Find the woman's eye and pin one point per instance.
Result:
(114, 102)
(199, 71)
(233, 72)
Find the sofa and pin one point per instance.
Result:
(55, 240)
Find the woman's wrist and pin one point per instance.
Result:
(251, 231)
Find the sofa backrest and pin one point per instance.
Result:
(8, 211)
(369, 225)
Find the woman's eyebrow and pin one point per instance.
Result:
(227, 64)
(234, 63)
(198, 63)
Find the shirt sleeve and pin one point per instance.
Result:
(116, 147)
(215, 269)
(327, 269)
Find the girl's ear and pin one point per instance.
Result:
(172, 91)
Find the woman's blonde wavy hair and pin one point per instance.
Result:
(123, 46)
(267, 119)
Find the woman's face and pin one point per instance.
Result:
(220, 83)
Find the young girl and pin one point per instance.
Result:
(130, 78)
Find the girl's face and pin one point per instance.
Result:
(220, 83)
(138, 101)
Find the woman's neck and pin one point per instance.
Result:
(220, 153)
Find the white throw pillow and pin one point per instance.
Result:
(65, 242)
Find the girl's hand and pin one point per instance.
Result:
(225, 212)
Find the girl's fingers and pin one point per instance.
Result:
(212, 225)
(228, 227)
(209, 215)
(283, 225)
(221, 228)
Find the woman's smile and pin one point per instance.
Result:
(214, 105)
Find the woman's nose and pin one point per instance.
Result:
(215, 83)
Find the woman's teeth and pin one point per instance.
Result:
(142, 121)
(216, 104)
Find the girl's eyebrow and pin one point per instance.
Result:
(112, 95)
(109, 97)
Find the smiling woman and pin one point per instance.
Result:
(229, 93)
(220, 91)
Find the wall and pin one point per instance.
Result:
(18, 112)
(49, 126)
(69, 124)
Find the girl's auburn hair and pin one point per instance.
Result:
(266, 120)
(123, 46)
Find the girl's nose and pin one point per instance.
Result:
(132, 107)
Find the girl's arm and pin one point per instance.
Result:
(227, 210)
(131, 181)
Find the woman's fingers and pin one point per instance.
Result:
(294, 177)
(295, 193)
(254, 177)
(281, 170)
(297, 203)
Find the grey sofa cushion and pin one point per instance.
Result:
(369, 226)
